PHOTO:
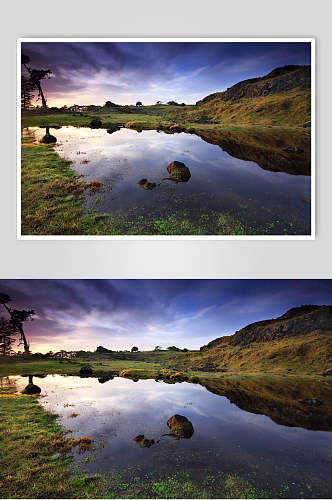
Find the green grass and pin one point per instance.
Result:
(287, 109)
(72, 368)
(53, 204)
(308, 354)
(52, 194)
(36, 462)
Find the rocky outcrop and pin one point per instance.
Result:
(279, 80)
(297, 321)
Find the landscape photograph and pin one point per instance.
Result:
(172, 138)
(166, 388)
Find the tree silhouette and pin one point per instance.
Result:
(134, 349)
(139, 103)
(7, 333)
(27, 92)
(17, 318)
(36, 76)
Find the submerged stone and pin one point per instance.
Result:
(143, 441)
(145, 184)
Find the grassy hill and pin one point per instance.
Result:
(280, 98)
(299, 341)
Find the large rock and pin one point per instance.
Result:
(48, 139)
(31, 389)
(178, 171)
(86, 370)
(180, 426)
(95, 123)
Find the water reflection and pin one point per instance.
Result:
(261, 177)
(232, 431)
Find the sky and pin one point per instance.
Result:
(120, 314)
(127, 72)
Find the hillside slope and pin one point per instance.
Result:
(299, 341)
(280, 98)
(296, 321)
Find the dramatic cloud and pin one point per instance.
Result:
(82, 314)
(123, 72)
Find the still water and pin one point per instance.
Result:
(226, 438)
(264, 185)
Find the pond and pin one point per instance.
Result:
(225, 437)
(262, 180)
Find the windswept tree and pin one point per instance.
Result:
(36, 77)
(7, 338)
(17, 318)
(27, 92)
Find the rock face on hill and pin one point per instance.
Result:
(297, 321)
(279, 80)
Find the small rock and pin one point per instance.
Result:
(327, 372)
(311, 402)
(294, 149)
(307, 124)
(143, 441)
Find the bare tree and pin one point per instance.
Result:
(17, 318)
(36, 76)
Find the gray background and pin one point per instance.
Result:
(166, 259)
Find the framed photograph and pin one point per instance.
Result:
(166, 138)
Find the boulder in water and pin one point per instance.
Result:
(180, 426)
(178, 171)
(48, 139)
(31, 389)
